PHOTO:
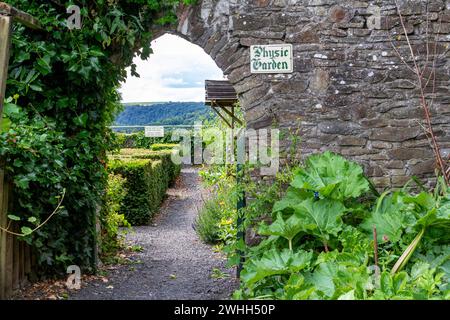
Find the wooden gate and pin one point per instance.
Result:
(15, 255)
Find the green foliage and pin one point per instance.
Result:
(390, 216)
(66, 83)
(148, 174)
(274, 262)
(216, 220)
(111, 219)
(165, 156)
(319, 208)
(208, 220)
(34, 154)
(332, 177)
(287, 229)
(321, 218)
(163, 146)
(167, 113)
(139, 140)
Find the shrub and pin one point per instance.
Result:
(163, 155)
(139, 140)
(215, 222)
(163, 146)
(139, 202)
(208, 220)
(110, 217)
(148, 175)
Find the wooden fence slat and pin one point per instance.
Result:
(16, 262)
(9, 264)
(3, 222)
(21, 263)
(27, 260)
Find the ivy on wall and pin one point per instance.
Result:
(65, 84)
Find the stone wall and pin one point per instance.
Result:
(350, 91)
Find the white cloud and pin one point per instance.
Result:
(176, 71)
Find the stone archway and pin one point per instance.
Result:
(349, 90)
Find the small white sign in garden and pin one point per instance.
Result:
(273, 58)
(154, 132)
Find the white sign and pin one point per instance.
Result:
(154, 132)
(273, 58)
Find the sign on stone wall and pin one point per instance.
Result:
(274, 58)
(154, 132)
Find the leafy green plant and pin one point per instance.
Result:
(207, 221)
(215, 222)
(148, 174)
(274, 262)
(319, 207)
(433, 212)
(331, 176)
(66, 85)
(219, 274)
(163, 146)
(111, 219)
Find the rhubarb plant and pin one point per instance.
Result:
(320, 243)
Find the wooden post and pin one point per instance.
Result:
(20, 16)
(5, 42)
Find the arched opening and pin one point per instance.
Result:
(176, 71)
(172, 80)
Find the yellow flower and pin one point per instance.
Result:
(226, 222)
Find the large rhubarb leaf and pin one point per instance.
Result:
(323, 278)
(321, 218)
(332, 176)
(292, 197)
(287, 229)
(275, 262)
(433, 213)
(390, 217)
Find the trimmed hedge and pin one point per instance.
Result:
(111, 219)
(139, 140)
(163, 146)
(163, 155)
(148, 174)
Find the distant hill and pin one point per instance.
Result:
(163, 113)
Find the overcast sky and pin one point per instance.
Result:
(175, 72)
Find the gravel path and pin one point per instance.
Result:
(174, 263)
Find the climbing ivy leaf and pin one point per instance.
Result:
(32, 219)
(81, 120)
(13, 217)
(26, 231)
